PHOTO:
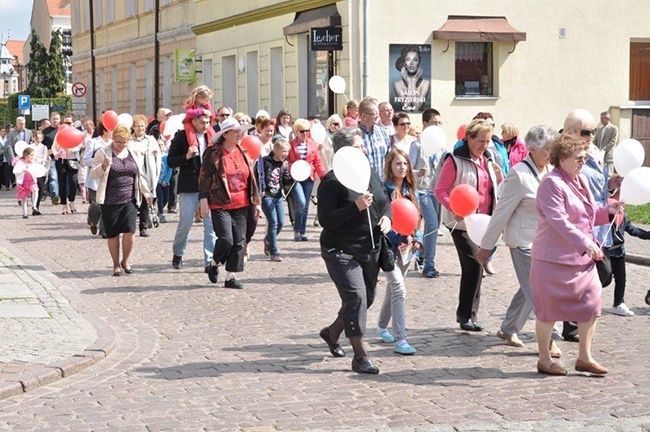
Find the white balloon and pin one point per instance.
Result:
(262, 113)
(337, 84)
(476, 225)
(125, 119)
(20, 147)
(352, 169)
(300, 170)
(628, 154)
(635, 189)
(37, 170)
(433, 140)
(174, 124)
(318, 133)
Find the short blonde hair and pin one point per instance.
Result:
(140, 117)
(121, 133)
(510, 129)
(301, 124)
(577, 120)
(280, 144)
(477, 126)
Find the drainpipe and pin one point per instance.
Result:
(156, 57)
(92, 58)
(365, 47)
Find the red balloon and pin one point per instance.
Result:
(463, 200)
(405, 216)
(109, 120)
(69, 137)
(253, 145)
(460, 134)
(161, 128)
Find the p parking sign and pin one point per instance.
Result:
(24, 102)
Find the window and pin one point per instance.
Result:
(208, 73)
(252, 82)
(167, 81)
(98, 14)
(130, 9)
(474, 75)
(133, 70)
(148, 89)
(76, 16)
(148, 5)
(229, 81)
(277, 79)
(639, 71)
(101, 89)
(110, 11)
(317, 83)
(114, 101)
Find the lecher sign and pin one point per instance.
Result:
(326, 38)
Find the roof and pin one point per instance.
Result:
(15, 47)
(477, 28)
(58, 7)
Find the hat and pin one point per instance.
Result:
(164, 112)
(228, 125)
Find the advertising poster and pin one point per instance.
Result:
(184, 66)
(410, 77)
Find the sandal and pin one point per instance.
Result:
(126, 270)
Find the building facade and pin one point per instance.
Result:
(526, 63)
(124, 48)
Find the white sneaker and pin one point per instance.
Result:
(622, 310)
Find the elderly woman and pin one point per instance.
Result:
(304, 148)
(93, 145)
(351, 259)
(469, 163)
(227, 188)
(563, 277)
(516, 216)
(121, 186)
(147, 151)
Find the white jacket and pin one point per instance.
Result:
(141, 187)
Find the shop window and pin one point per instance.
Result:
(317, 80)
(640, 71)
(474, 69)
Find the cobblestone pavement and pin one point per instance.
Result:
(189, 355)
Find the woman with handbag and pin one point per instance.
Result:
(399, 182)
(351, 258)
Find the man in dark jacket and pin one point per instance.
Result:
(187, 158)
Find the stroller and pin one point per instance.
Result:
(153, 217)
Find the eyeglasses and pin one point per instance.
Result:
(68, 123)
(373, 114)
(404, 124)
(587, 132)
(581, 159)
(224, 115)
(304, 131)
(119, 142)
(336, 124)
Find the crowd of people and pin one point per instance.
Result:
(551, 194)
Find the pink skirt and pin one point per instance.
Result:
(565, 292)
(24, 190)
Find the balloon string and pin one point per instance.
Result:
(289, 191)
(432, 232)
(372, 236)
(454, 227)
(609, 228)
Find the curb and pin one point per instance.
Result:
(637, 259)
(39, 376)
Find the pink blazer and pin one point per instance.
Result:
(313, 157)
(566, 220)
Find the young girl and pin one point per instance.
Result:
(42, 158)
(197, 104)
(399, 183)
(283, 125)
(351, 113)
(276, 175)
(26, 185)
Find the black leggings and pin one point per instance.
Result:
(618, 270)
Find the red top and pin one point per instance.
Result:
(237, 174)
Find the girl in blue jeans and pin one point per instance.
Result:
(276, 175)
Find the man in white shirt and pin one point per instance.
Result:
(386, 118)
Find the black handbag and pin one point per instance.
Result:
(604, 268)
(386, 254)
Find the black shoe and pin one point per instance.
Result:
(570, 332)
(647, 298)
(144, 233)
(126, 270)
(36, 212)
(206, 269)
(177, 262)
(232, 283)
(468, 325)
(364, 366)
(335, 348)
(478, 326)
(93, 229)
(213, 272)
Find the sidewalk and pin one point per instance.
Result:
(43, 336)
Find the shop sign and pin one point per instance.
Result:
(326, 38)
(410, 77)
(184, 65)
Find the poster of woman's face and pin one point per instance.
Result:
(410, 77)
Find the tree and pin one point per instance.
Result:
(54, 81)
(36, 67)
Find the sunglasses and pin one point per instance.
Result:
(68, 123)
(304, 131)
(404, 124)
(224, 115)
(587, 132)
(336, 124)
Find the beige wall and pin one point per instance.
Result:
(540, 82)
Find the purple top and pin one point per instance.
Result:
(120, 186)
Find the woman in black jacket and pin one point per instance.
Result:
(351, 258)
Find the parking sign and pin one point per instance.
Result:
(24, 102)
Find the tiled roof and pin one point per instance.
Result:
(15, 47)
(58, 7)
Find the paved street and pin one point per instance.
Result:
(183, 354)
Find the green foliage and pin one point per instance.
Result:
(638, 214)
(63, 102)
(45, 69)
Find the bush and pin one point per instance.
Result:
(59, 103)
(639, 214)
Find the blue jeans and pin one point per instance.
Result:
(53, 179)
(428, 205)
(273, 209)
(187, 204)
(301, 195)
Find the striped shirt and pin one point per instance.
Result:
(377, 147)
(302, 149)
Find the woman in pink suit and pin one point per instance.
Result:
(563, 277)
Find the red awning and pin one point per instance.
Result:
(478, 29)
